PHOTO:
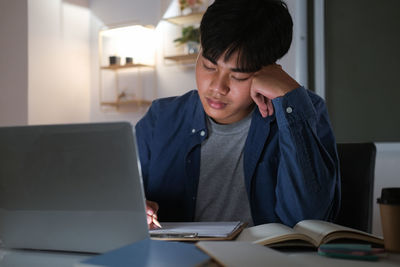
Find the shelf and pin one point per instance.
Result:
(186, 19)
(181, 58)
(192, 19)
(139, 102)
(127, 66)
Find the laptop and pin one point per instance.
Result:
(75, 187)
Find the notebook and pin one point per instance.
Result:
(196, 231)
(74, 187)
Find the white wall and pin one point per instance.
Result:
(13, 62)
(295, 61)
(123, 12)
(58, 60)
(173, 78)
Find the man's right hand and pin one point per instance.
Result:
(151, 212)
(268, 83)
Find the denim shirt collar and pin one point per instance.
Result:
(199, 122)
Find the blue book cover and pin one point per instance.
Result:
(150, 253)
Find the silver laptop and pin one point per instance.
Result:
(75, 187)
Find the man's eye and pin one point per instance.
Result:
(207, 67)
(240, 79)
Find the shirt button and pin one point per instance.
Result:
(289, 110)
(193, 130)
(202, 133)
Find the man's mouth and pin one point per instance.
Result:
(215, 104)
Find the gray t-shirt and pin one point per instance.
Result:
(221, 193)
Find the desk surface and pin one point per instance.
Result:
(313, 259)
(25, 258)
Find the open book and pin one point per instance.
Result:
(305, 233)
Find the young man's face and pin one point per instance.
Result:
(224, 91)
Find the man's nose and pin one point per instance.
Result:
(220, 84)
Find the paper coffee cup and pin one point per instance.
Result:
(389, 204)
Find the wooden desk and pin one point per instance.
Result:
(313, 259)
(26, 258)
(239, 254)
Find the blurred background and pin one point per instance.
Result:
(75, 61)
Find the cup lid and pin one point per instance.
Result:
(390, 196)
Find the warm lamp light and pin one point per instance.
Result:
(137, 42)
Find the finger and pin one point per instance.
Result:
(262, 106)
(152, 205)
(149, 220)
(264, 112)
(153, 223)
(260, 102)
(149, 211)
(152, 226)
(270, 107)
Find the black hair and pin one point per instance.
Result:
(259, 30)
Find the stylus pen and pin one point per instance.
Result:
(155, 221)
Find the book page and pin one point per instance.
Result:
(271, 233)
(199, 229)
(323, 232)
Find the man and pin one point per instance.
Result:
(250, 144)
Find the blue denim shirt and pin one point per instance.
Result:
(290, 160)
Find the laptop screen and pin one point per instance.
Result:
(73, 187)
